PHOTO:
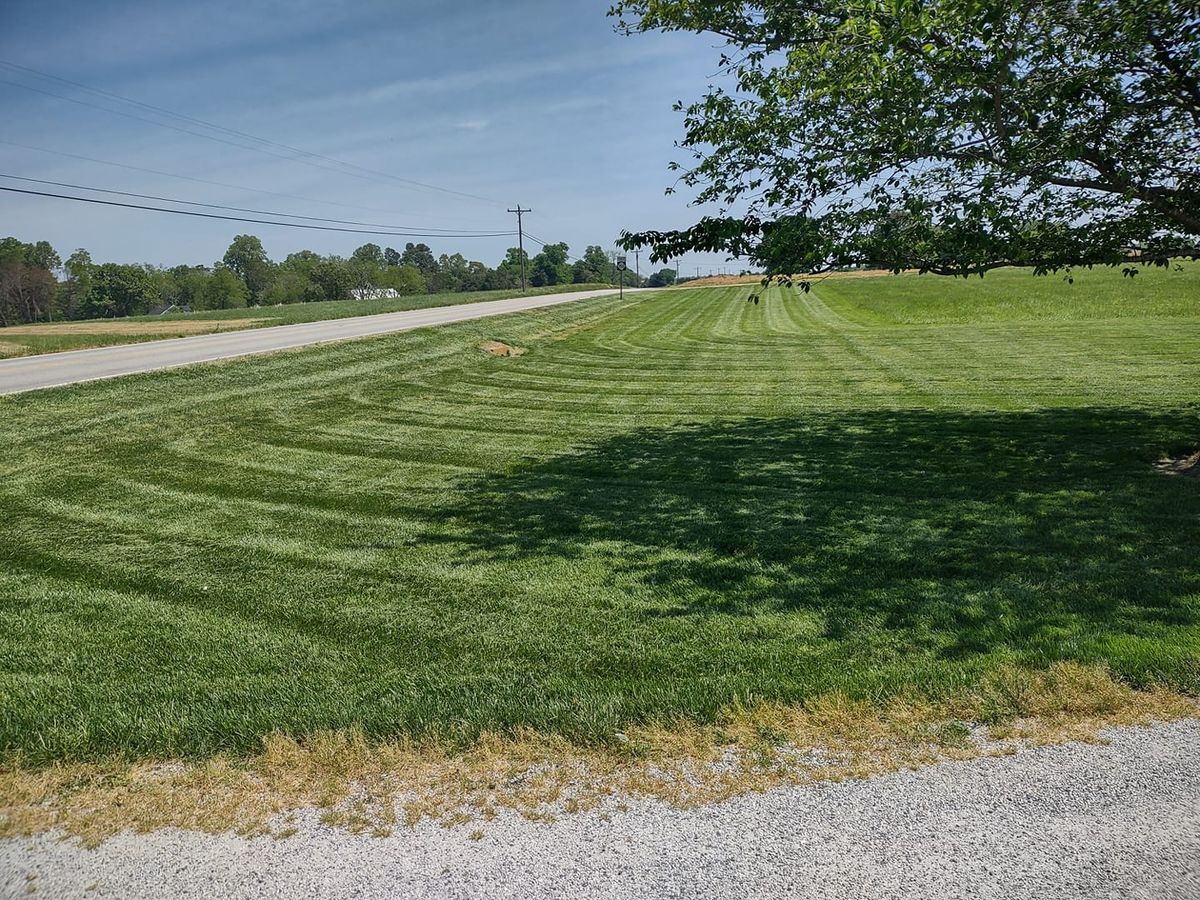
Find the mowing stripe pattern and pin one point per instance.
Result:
(668, 504)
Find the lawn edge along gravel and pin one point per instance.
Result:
(365, 787)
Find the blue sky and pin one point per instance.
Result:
(530, 101)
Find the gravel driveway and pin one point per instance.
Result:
(1115, 820)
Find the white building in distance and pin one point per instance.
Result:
(374, 294)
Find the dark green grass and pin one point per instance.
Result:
(666, 505)
(51, 338)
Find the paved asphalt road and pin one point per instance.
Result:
(29, 373)
(1120, 820)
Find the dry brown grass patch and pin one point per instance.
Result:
(178, 327)
(499, 348)
(732, 280)
(721, 281)
(1188, 464)
(374, 787)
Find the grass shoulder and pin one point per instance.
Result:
(373, 788)
(25, 340)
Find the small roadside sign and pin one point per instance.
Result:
(622, 263)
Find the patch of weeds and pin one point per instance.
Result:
(1002, 697)
(771, 735)
(631, 747)
(954, 733)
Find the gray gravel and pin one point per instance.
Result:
(1119, 820)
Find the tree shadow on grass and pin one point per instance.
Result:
(952, 532)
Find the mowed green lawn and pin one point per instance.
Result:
(669, 504)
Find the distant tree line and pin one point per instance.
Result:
(37, 285)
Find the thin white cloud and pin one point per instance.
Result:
(455, 82)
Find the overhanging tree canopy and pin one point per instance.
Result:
(951, 136)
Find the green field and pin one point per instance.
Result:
(668, 504)
(26, 340)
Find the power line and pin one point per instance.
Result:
(302, 156)
(450, 232)
(150, 107)
(220, 184)
(203, 215)
(136, 118)
(215, 127)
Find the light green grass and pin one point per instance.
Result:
(52, 338)
(1007, 295)
(668, 504)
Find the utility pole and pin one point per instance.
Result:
(521, 241)
(637, 266)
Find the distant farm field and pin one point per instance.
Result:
(664, 506)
